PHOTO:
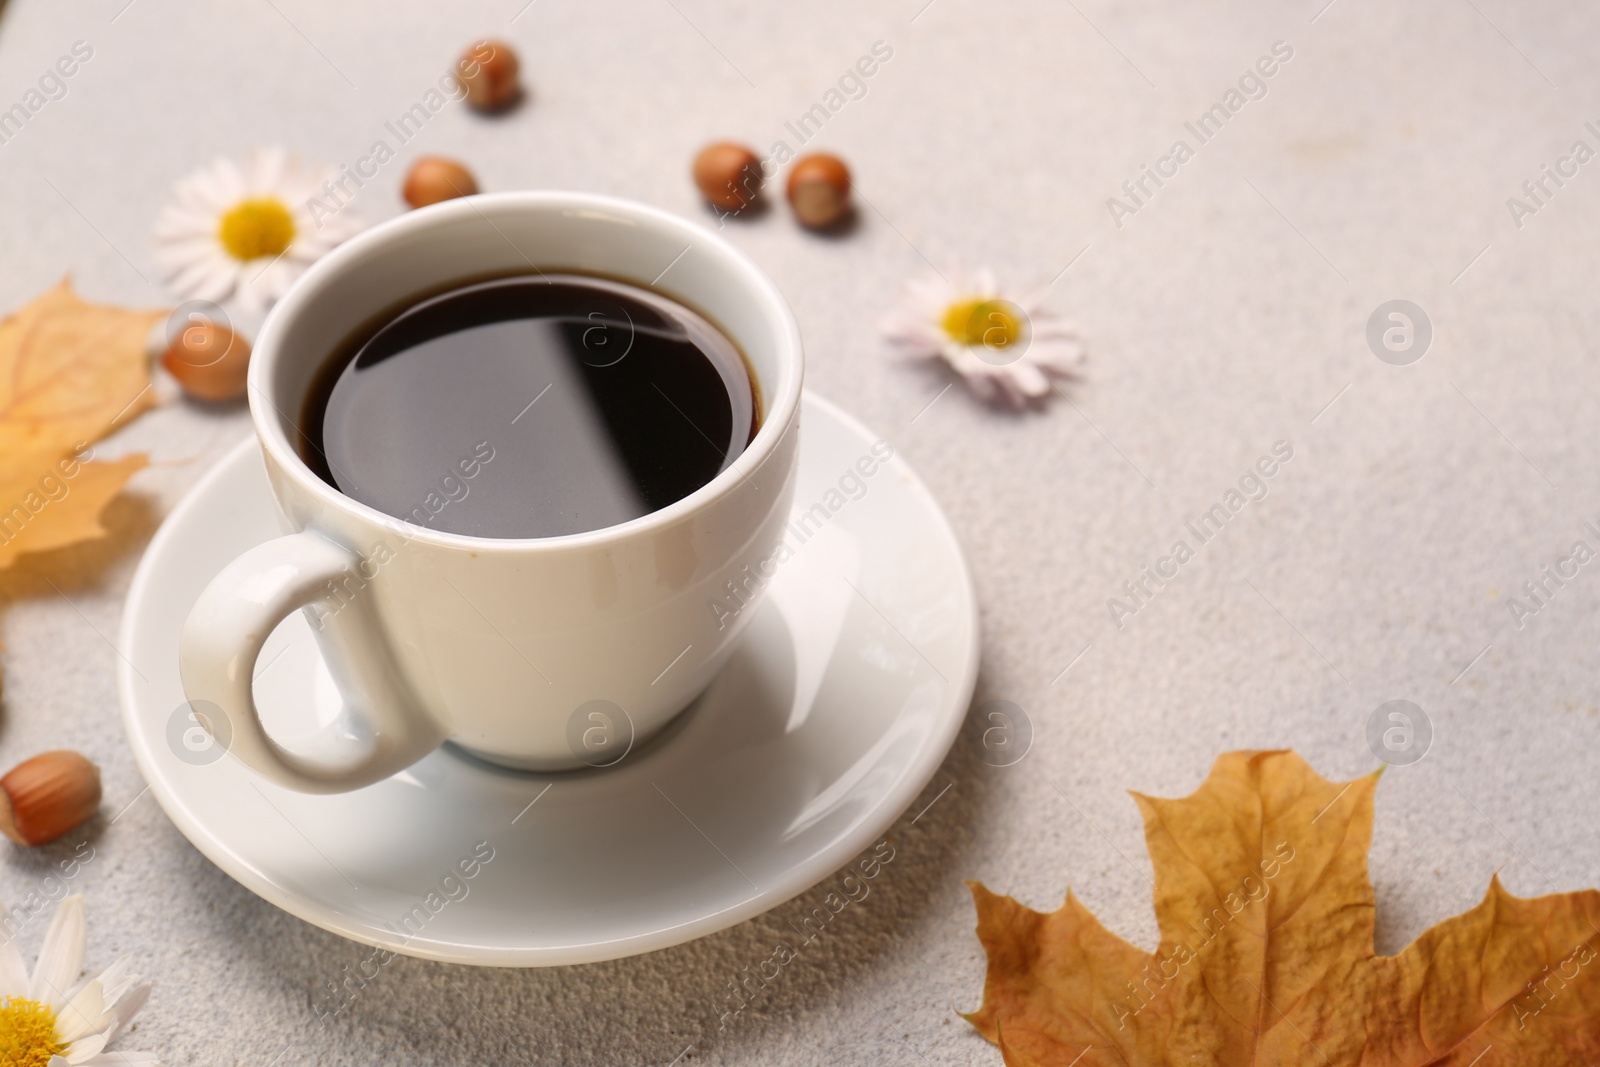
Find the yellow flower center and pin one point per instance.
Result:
(255, 228)
(993, 324)
(28, 1034)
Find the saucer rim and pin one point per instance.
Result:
(801, 877)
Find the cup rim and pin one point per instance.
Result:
(782, 403)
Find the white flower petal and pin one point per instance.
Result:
(961, 357)
(1060, 358)
(179, 223)
(1020, 388)
(339, 228)
(200, 193)
(250, 300)
(212, 278)
(299, 185)
(277, 278)
(311, 244)
(116, 980)
(929, 299)
(13, 972)
(1044, 319)
(306, 228)
(264, 171)
(61, 958)
(128, 1006)
(121, 1059)
(1027, 378)
(84, 1014)
(1019, 397)
(915, 337)
(85, 1049)
(1032, 301)
(303, 255)
(225, 183)
(1052, 336)
(986, 386)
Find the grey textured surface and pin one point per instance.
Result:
(1225, 315)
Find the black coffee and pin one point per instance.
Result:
(531, 407)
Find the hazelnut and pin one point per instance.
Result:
(47, 796)
(488, 71)
(819, 189)
(209, 361)
(435, 178)
(728, 174)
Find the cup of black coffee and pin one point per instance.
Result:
(526, 443)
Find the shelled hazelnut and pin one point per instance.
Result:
(209, 361)
(48, 796)
(819, 189)
(728, 175)
(488, 71)
(435, 178)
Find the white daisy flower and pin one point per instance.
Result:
(245, 231)
(51, 1018)
(1006, 350)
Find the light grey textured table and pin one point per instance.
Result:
(1225, 314)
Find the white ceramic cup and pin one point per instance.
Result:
(541, 653)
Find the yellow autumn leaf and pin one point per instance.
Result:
(1267, 959)
(70, 372)
(61, 505)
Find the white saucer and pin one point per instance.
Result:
(831, 717)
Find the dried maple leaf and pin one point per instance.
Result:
(70, 371)
(62, 506)
(1266, 956)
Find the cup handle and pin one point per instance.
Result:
(383, 728)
